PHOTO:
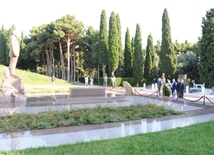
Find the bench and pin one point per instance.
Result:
(99, 91)
(197, 87)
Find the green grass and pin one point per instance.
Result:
(37, 83)
(195, 139)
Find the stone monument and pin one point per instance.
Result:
(128, 88)
(11, 89)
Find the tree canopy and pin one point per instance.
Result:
(207, 49)
(168, 59)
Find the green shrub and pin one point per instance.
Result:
(166, 90)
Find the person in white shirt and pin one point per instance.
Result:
(113, 78)
(86, 81)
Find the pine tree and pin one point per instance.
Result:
(138, 56)
(103, 42)
(168, 61)
(113, 54)
(149, 60)
(128, 55)
(206, 44)
(120, 72)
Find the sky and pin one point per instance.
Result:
(185, 15)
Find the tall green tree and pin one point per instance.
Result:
(91, 54)
(103, 42)
(206, 44)
(26, 61)
(128, 65)
(120, 72)
(149, 59)
(71, 30)
(3, 45)
(113, 54)
(138, 56)
(187, 64)
(132, 51)
(37, 48)
(168, 59)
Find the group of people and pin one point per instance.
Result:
(91, 81)
(177, 87)
(113, 81)
(87, 81)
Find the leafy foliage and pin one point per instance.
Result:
(138, 56)
(113, 54)
(168, 59)
(166, 90)
(128, 55)
(120, 72)
(103, 42)
(149, 70)
(206, 43)
(187, 64)
(97, 115)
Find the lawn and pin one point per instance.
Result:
(37, 83)
(194, 139)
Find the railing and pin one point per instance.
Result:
(157, 93)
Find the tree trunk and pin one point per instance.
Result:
(49, 69)
(62, 60)
(68, 50)
(52, 61)
(74, 65)
(104, 69)
(98, 75)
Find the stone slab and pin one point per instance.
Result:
(86, 91)
(13, 81)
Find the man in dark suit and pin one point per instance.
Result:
(178, 88)
(182, 89)
(159, 83)
(173, 87)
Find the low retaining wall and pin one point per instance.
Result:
(87, 91)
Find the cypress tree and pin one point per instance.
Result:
(149, 60)
(120, 72)
(132, 51)
(168, 59)
(206, 45)
(3, 47)
(103, 42)
(128, 55)
(138, 56)
(113, 54)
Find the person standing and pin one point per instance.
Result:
(91, 81)
(105, 81)
(159, 83)
(53, 81)
(178, 87)
(14, 53)
(154, 81)
(173, 87)
(86, 81)
(182, 89)
(113, 81)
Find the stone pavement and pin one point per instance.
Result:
(193, 112)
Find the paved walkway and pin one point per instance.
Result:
(193, 112)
